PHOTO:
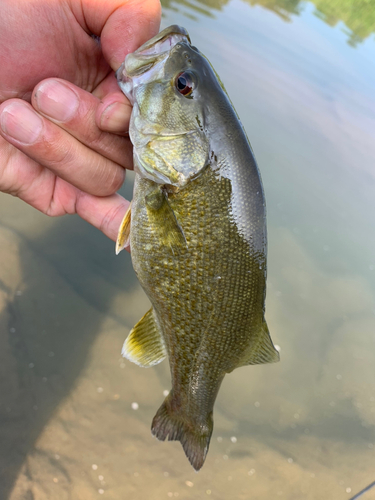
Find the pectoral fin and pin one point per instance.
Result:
(164, 222)
(261, 349)
(145, 345)
(123, 237)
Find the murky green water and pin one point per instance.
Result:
(302, 77)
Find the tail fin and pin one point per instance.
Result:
(195, 439)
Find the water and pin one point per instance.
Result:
(75, 418)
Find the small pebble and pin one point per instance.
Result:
(348, 490)
(100, 478)
(100, 491)
(220, 439)
(165, 393)
(135, 406)
(100, 389)
(94, 467)
(233, 439)
(251, 472)
(257, 404)
(55, 480)
(208, 492)
(290, 460)
(189, 483)
(116, 396)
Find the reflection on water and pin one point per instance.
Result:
(357, 16)
(284, 8)
(304, 428)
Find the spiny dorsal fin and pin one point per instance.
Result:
(123, 236)
(145, 345)
(261, 350)
(164, 222)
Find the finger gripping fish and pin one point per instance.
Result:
(197, 231)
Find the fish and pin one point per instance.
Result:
(197, 232)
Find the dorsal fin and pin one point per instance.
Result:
(261, 349)
(145, 345)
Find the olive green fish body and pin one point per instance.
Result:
(198, 241)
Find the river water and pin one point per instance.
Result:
(75, 418)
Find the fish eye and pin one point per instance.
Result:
(185, 83)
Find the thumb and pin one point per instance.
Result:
(123, 25)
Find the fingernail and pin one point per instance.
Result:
(56, 100)
(21, 123)
(115, 118)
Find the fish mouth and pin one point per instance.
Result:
(149, 58)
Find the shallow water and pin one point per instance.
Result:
(75, 418)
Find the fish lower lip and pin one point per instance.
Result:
(150, 45)
(164, 45)
(144, 58)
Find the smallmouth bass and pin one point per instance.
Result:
(197, 231)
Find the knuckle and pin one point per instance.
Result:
(60, 152)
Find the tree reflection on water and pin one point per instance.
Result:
(358, 16)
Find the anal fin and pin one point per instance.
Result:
(145, 345)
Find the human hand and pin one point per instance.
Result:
(62, 153)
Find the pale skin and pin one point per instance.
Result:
(64, 146)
